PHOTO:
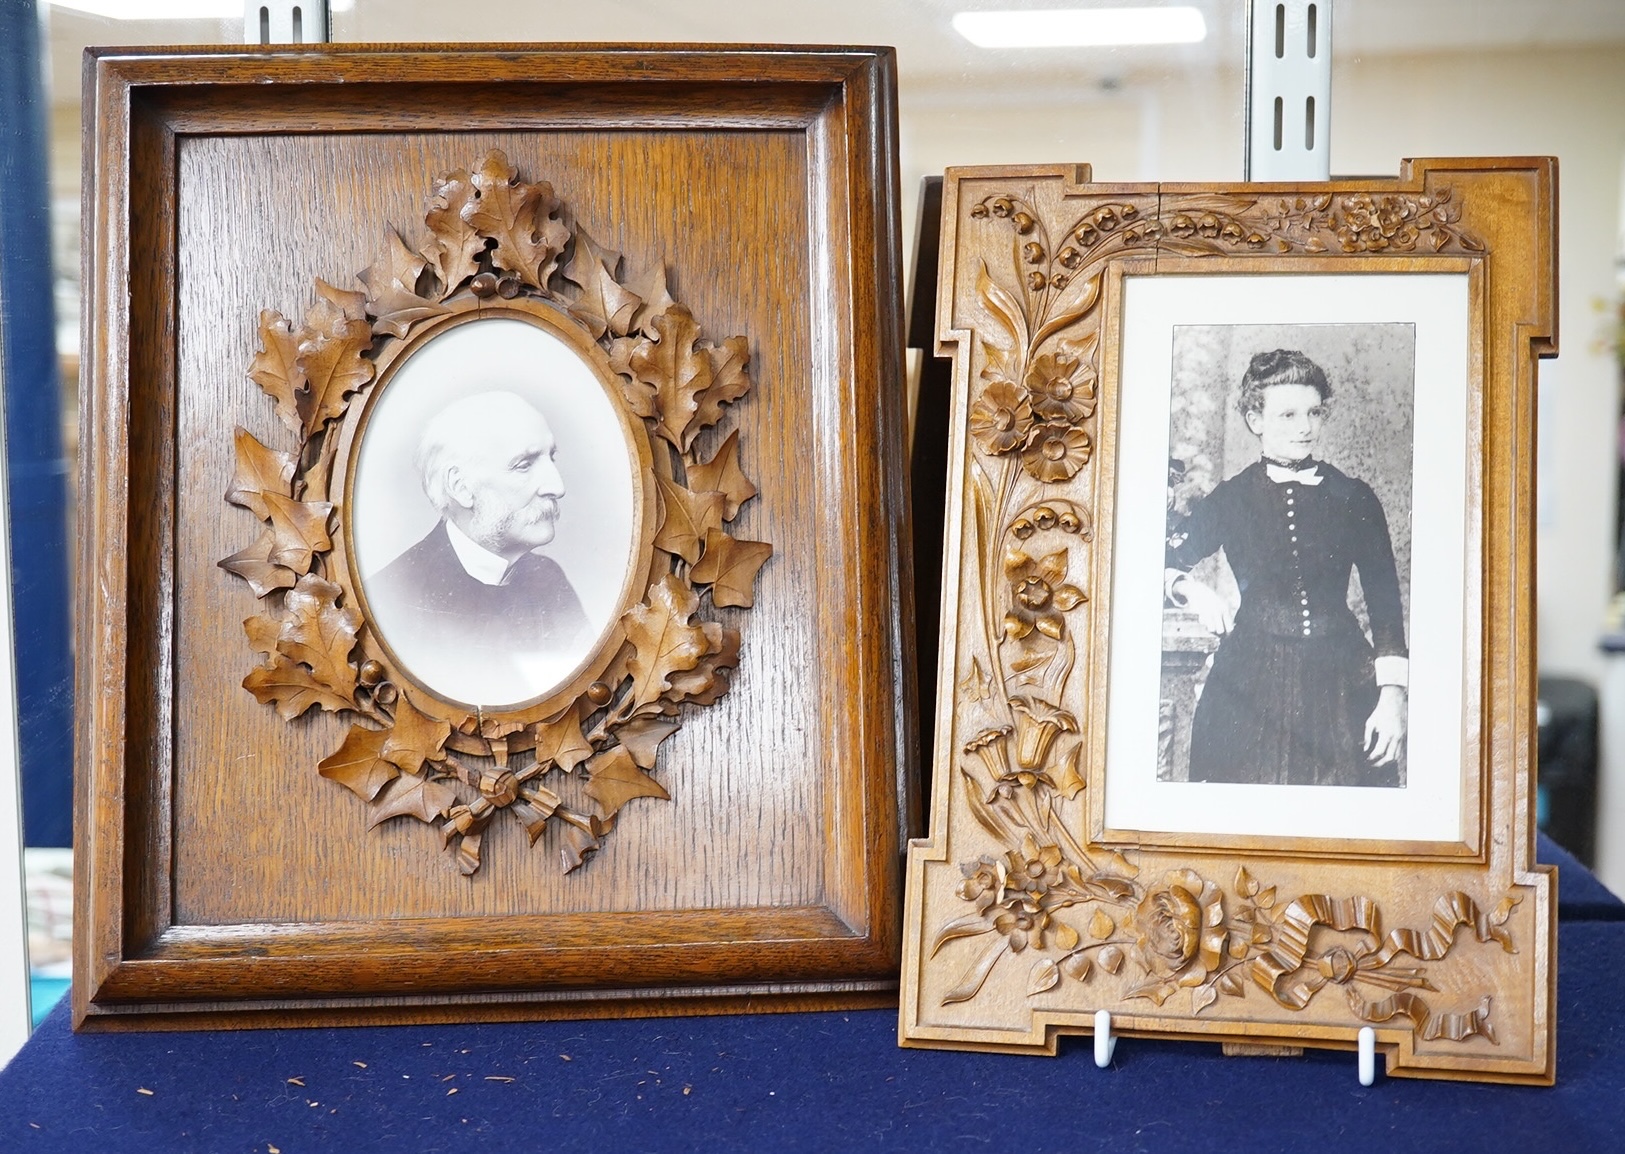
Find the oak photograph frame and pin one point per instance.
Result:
(190, 848)
(1033, 904)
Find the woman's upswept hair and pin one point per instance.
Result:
(1279, 367)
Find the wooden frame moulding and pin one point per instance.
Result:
(1230, 794)
(620, 321)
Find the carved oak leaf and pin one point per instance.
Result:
(640, 398)
(642, 736)
(336, 333)
(259, 470)
(298, 531)
(415, 737)
(561, 743)
(255, 566)
(454, 243)
(614, 779)
(663, 641)
(521, 217)
(605, 305)
(651, 290)
(262, 633)
(412, 796)
(319, 633)
(721, 474)
(706, 683)
(729, 370)
(675, 370)
(275, 367)
(392, 297)
(730, 566)
(689, 519)
(292, 689)
(358, 764)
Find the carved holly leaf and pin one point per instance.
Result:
(560, 742)
(689, 517)
(412, 796)
(298, 530)
(415, 737)
(358, 764)
(259, 470)
(730, 378)
(521, 217)
(655, 298)
(319, 633)
(255, 566)
(663, 641)
(262, 633)
(275, 367)
(605, 305)
(730, 566)
(614, 779)
(335, 335)
(292, 689)
(674, 371)
(641, 737)
(721, 474)
(454, 243)
(392, 296)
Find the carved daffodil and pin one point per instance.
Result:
(1038, 595)
(1062, 388)
(1001, 417)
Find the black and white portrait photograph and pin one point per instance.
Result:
(1289, 478)
(493, 517)
(1290, 547)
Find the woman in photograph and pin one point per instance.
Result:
(1297, 694)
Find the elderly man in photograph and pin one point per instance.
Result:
(475, 590)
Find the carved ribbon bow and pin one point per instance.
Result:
(1291, 975)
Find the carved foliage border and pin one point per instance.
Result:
(494, 236)
(1033, 404)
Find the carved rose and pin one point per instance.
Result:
(1055, 452)
(1001, 417)
(1179, 933)
(1062, 388)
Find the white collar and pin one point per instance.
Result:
(478, 562)
(1308, 475)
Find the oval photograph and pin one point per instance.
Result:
(493, 512)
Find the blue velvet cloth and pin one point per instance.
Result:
(825, 1081)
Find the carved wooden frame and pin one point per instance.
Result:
(149, 951)
(1027, 911)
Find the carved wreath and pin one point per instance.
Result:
(1078, 911)
(491, 235)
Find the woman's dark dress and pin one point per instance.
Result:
(1292, 685)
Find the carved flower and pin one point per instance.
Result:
(1002, 206)
(1032, 252)
(983, 885)
(1022, 927)
(1001, 417)
(1070, 257)
(1179, 932)
(1086, 234)
(1038, 723)
(1232, 232)
(1130, 212)
(1208, 225)
(1105, 219)
(1037, 281)
(1024, 223)
(1182, 225)
(990, 746)
(1060, 392)
(1055, 452)
(1039, 594)
(1034, 869)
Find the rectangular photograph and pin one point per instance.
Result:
(1284, 658)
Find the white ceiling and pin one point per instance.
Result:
(930, 54)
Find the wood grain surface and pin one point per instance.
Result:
(216, 862)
